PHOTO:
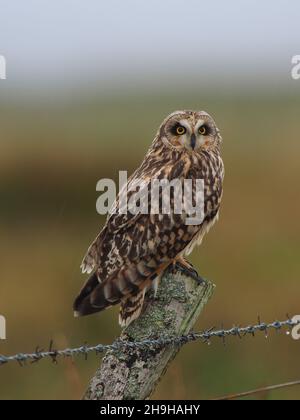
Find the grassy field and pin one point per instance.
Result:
(51, 158)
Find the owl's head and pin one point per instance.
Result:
(191, 131)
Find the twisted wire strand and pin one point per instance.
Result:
(204, 336)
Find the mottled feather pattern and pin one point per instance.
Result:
(131, 308)
(132, 250)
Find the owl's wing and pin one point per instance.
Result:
(132, 250)
(116, 222)
(119, 222)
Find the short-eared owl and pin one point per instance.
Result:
(132, 250)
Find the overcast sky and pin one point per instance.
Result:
(59, 42)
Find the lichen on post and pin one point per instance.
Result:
(129, 374)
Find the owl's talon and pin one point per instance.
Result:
(190, 272)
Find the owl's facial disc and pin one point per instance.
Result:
(191, 131)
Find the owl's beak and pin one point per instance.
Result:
(193, 141)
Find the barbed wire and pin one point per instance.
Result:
(204, 336)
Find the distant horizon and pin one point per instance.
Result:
(97, 90)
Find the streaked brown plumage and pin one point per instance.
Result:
(132, 250)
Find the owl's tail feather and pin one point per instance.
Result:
(131, 308)
(120, 286)
(82, 305)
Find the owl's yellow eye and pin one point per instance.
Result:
(180, 130)
(202, 130)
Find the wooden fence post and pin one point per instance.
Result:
(133, 375)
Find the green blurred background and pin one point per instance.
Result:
(55, 146)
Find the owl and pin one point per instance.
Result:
(134, 249)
